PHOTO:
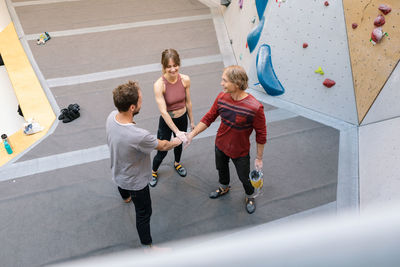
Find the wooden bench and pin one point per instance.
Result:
(29, 92)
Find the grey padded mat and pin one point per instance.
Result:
(93, 13)
(94, 52)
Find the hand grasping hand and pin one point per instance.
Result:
(182, 136)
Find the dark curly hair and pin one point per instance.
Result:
(126, 95)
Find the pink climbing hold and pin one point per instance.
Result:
(326, 3)
(385, 9)
(377, 35)
(305, 45)
(329, 83)
(379, 21)
(240, 4)
(354, 25)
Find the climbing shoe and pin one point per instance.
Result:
(180, 170)
(127, 200)
(219, 192)
(250, 205)
(154, 179)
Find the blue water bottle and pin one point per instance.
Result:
(6, 143)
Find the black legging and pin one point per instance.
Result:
(164, 133)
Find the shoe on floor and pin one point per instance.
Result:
(219, 192)
(62, 113)
(70, 115)
(180, 170)
(250, 205)
(154, 179)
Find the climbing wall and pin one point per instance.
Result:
(386, 106)
(371, 64)
(239, 22)
(287, 26)
(379, 157)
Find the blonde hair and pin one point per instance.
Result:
(237, 75)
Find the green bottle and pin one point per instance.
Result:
(7, 145)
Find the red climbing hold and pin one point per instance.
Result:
(379, 21)
(326, 3)
(385, 9)
(377, 35)
(354, 25)
(247, 45)
(329, 83)
(305, 45)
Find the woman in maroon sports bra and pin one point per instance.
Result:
(172, 93)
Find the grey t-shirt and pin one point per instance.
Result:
(130, 148)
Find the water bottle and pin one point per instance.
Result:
(6, 143)
(257, 181)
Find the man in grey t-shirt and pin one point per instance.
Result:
(130, 148)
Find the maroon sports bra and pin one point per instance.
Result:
(175, 94)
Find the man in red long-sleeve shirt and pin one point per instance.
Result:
(240, 113)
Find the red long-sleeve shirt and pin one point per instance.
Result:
(238, 119)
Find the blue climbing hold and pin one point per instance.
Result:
(261, 5)
(265, 72)
(254, 35)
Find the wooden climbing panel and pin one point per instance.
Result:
(29, 92)
(371, 64)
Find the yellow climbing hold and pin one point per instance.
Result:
(320, 71)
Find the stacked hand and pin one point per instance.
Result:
(189, 137)
(181, 136)
(176, 141)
